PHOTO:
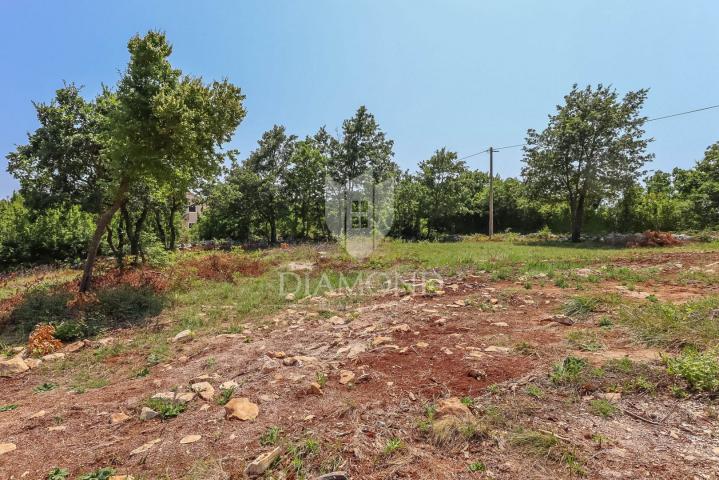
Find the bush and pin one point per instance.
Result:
(128, 304)
(40, 306)
(699, 370)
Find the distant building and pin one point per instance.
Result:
(193, 210)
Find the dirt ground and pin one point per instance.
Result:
(483, 339)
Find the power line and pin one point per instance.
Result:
(682, 113)
(647, 121)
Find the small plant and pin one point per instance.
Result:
(493, 388)
(561, 282)
(211, 362)
(699, 370)
(45, 387)
(392, 446)
(143, 372)
(271, 436)
(477, 466)
(225, 395)
(431, 287)
(166, 408)
(568, 371)
(584, 340)
(581, 306)
(534, 391)
(430, 411)
(7, 408)
(321, 379)
(424, 425)
(101, 474)
(467, 401)
(525, 348)
(599, 439)
(58, 474)
(605, 322)
(602, 408)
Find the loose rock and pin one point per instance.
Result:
(346, 377)
(241, 409)
(260, 464)
(190, 439)
(119, 417)
(148, 414)
(12, 367)
(183, 336)
(144, 448)
(204, 390)
(7, 448)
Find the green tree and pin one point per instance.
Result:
(305, 188)
(269, 163)
(445, 198)
(593, 146)
(158, 126)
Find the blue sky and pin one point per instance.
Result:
(461, 74)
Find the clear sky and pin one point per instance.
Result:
(464, 74)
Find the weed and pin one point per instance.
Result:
(100, 474)
(468, 401)
(424, 425)
(7, 408)
(477, 466)
(58, 474)
(525, 348)
(668, 324)
(561, 282)
(270, 436)
(605, 322)
(699, 370)
(602, 408)
(143, 372)
(585, 340)
(534, 391)
(392, 446)
(568, 371)
(321, 379)
(581, 306)
(45, 387)
(493, 388)
(546, 444)
(166, 408)
(225, 395)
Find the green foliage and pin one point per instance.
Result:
(7, 408)
(100, 474)
(58, 474)
(477, 466)
(45, 387)
(581, 306)
(568, 372)
(225, 395)
(534, 391)
(585, 340)
(699, 369)
(270, 436)
(674, 324)
(128, 304)
(166, 408)
(392, 446)
(602, 408)
(40, 306)
(593, 146)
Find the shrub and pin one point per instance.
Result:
(602, 408)
(699, 370)
(40, 306)
(128, 304)
(568, 371)
(166, 408)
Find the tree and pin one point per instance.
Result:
(305, 188)
(363, 145)
(594, 145)
(440, 176)
(269, 162)
(158, 126)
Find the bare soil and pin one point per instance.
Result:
(435, 343)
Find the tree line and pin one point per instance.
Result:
(110, 174)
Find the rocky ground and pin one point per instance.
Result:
(444, 383)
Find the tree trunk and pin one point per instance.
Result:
(173, 230)
(102, 222)
(577, 219)
(160, 228)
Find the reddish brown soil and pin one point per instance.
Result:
(395, 382)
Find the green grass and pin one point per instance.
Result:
(675, 325)
(166, 408)
(699, 369)
(392, 446)
(584, 340)
(602, 408)
(7, 408)
(270, 436)
(225, 395)
(548, 445)
(45, 387)
(568, 372)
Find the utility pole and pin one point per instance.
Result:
(491, 192)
